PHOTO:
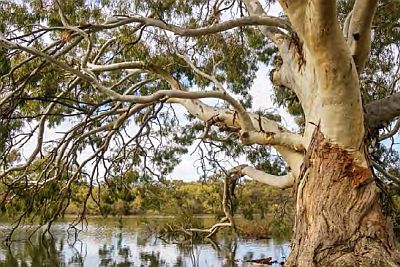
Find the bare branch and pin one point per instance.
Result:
(346, 24)
(202, 73)
(64, 20)
(116, 66)
(211, 230)
(255, 9)
(102, 49)
(229, 118)
(215, 28)
(392, 132)
(283, 138)
(284, 181)
(389, 176)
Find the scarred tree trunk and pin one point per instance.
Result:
(339, 220)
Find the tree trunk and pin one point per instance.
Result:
(339, 219)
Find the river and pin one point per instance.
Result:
(129, 242)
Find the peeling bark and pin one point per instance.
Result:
(339, 219)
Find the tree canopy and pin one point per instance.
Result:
(96, 88)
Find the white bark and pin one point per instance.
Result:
(215, 28)
(287, 139)
(338, 107)
(318, 67)
(255, 9)
(359, 31)
(228, 117)
(295, 72)
(284, 181)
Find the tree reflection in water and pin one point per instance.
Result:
(106, 254)
(37, 252)
(103, 245)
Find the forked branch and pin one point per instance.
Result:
(358, 31)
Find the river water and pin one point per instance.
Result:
(129, 242)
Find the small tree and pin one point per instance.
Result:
(110, 73)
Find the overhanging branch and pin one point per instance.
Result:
(382, 111)
(282, 138)
(284, 181)
(182, 31)
(255, 9)
(229, 118)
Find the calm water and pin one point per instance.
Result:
(109, 242)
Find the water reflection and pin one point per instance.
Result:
(107, 244)
(35, 253)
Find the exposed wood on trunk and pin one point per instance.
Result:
(339, 220)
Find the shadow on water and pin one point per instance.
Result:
(105, 244)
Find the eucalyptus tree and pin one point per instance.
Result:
(107, 75)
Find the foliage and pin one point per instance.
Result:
(95, 154)
(182, 199)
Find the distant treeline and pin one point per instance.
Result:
(172, 197)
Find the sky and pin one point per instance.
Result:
(186, 170)
(262, 99)
(262, 93)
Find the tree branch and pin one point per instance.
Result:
(39, 142)
(294, 71)
(242, 114)
(215, 28)
(392, 132)
(382, 111)
(103, 48)
(339, 107)
(346, 24)
(359, 31)
(255, 9)
(228, 118)
(284, 181)
(202, 73)
(287, 139)
(389, 176)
